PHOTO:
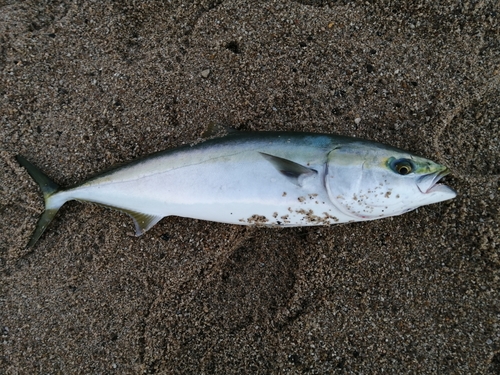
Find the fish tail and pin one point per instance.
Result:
(49, 189)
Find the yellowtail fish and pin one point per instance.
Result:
(259, 178)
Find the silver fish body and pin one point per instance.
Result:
(260, 178)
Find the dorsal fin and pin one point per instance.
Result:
(293, 171)
(215, 129)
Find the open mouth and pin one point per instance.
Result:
(430, 183)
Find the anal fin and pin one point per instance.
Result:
(142, 221)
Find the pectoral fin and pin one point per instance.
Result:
(291, 170)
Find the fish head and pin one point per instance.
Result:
(367, 180)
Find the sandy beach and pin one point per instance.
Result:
(87, 85)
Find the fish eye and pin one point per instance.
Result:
(402, 166)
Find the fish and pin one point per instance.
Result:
(281, 179)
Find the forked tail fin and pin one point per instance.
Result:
(49, 190)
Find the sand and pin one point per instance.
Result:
(85, 85)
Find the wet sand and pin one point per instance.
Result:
(86, 86)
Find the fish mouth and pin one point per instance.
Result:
(430, 183)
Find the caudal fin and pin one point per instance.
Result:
(49, 190)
